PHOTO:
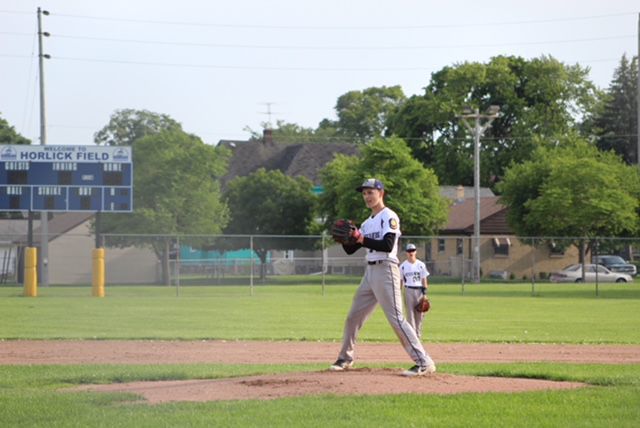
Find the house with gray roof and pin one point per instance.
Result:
(294, 160)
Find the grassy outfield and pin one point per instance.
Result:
(484, 313)
(30, 396)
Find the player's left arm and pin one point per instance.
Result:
(384, 245)
(351, 248)
(425, 285)
(425, 281)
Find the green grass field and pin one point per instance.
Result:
(29, 395)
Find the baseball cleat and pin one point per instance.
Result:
(419, 371)
(341, 365)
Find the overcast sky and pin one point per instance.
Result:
(220, 66)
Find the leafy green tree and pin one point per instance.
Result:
(129, 125)
(539, 97)
(410, 189)
(291, 133)
(271, 203)
(616, 124)
(176, 191)
(362, 115)
(8, 134)
(572, 190)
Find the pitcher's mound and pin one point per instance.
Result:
(351, 382)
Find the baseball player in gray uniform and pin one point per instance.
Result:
(379, 234)
(414, 279)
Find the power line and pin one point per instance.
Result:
(340, 48)
(327, 48)
(246, 67)
(237, 67)
(368, 27)
(260, 68)
(29, 75)
(341, 138)
(332, 27)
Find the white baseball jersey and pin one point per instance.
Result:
(413, 273)
(376, 227)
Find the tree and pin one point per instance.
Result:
(271, 203)
(538, 97)
(616, 124)
(129, 125)
(291, 133)
(411, 190)
(362, 115)
(8, 134)
(572, 190)
(176, 191)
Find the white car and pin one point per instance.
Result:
(573, 273)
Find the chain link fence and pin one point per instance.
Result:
(182, 260)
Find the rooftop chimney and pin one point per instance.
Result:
(267, 136)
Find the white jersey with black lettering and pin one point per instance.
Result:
(413, 273)
(375, 227)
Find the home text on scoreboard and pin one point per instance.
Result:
(66, 178)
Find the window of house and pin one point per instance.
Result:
(459, 246)
(501, 246)
(555, 250)
(441, 246)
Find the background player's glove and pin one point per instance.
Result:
(423, 304)
(345, 232)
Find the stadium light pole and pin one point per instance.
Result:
(477, 131)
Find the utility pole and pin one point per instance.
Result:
(43, 262)
(477, 130)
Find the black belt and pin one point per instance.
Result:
(376, 262)
(417, 288)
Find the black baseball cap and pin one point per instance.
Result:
(370, 183)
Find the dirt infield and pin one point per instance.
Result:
(361, 381)
(256, 352)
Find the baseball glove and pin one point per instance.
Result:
(344, 231)
(423, 304)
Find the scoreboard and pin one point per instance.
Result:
(66, 178)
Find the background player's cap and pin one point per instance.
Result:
(370, 183)
(410, 247)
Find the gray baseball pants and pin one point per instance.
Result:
(415, 318)
(381, 284)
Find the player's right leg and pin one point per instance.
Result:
(364, 302)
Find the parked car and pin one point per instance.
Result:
(573, 273)
(616, 264)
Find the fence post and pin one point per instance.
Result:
(324, 259)
(462, 273)
(177, 266)
(594, 249)
(251, 265)
(533, 267)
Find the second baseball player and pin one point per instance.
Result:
(414, 278)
